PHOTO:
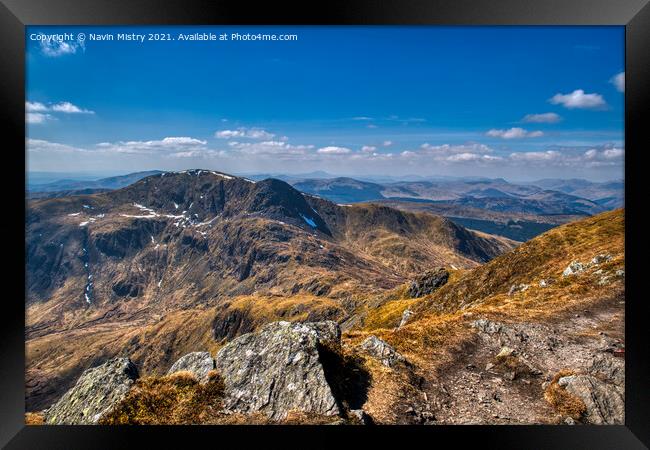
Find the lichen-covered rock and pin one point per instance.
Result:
(428, 282)
(97, 390)
(381, 350)
(604, 401)
(198, 363)
(574, 268)
(279, 369)
(599, 259)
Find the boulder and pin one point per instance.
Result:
(382, 351)
(279, 369)
(574, 268)
(428, 282)
(604, 401)
(97, 390)
(198, 363)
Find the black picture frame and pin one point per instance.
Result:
(16, 14)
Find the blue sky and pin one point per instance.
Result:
(516, 102)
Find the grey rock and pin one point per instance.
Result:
(96, 391)
(428, 282)
(198, 363)
(574, 268)
(487, 326)
(279, 369)
(382, 351)
(599, 259)
(608, 368)
(406, 315)
(620, 273)
(604, 401)
(569, 421)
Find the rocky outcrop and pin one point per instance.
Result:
(605, 403)
(574, 268)
(382, 351)
(279, 369)
(428, 282)
(198, 363)
(95, 393)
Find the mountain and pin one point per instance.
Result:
(73, 187)
(340, 190)
(534, 336)
(609, 194)
(189, 258)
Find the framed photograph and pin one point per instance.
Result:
(392, 220)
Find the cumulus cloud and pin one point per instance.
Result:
(43, 146)
(542, 118)
(571, 157)
(579, 100)
(37, 117)
(514, 133)
(242, 132)
(332, 150)
(387, 143)
(54, 47)
(618, 80)
(60, 107)
(368, 148)
(69, 108)
(280, 148)
(166, 145)
(35, 107)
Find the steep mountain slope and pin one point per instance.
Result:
(534, 336)
(178, 260)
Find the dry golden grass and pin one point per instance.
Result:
(562, 401)
(34, 418)
(177, 399)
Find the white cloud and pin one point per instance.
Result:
(166, 145)
(35, 107)
(53, 48)
(579, 100)
(42, 146)
(368, 148)
(242, 132)
(69, 108)
(275, 148)
(514, 133)
(618, 80)
(362, 118)
(387, 143)
(542, 118)
(332, 150)
(60, 107)
(37, 117)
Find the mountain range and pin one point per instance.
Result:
(435, 317)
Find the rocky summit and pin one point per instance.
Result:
(279, 369)
(95, 393)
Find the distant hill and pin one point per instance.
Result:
(75, 186)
